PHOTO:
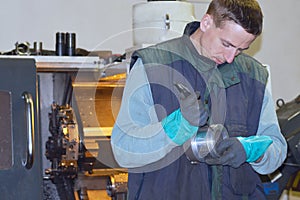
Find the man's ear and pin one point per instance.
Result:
(206, 22)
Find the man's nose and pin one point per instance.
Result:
(230, 55)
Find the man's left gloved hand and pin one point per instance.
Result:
(235, 151)
(231, 153)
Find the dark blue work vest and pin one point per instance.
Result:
(244, 83)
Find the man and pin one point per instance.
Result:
(182, 86)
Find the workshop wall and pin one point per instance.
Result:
(279, 46)
(106, 25)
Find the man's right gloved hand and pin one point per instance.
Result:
(234, 151)
(191, 107)
(183, 123)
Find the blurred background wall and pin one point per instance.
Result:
(107, 25)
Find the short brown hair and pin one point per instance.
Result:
(246, 13)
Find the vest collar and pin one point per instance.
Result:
(229, 74)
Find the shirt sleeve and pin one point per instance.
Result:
(138, 138)
(268, 125)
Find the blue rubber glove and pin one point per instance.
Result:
(255, 146)
(235, 151)
(183, 123)
(178, 128)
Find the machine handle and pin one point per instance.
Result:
(29, 114)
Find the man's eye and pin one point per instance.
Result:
(226, 44)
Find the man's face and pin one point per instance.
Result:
(222, 44)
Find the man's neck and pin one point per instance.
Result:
(195, 39)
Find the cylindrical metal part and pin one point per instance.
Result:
(60, 45)
(203, 143)
(38, 48)
(157, 21)
(70, 44)
(22, 48)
